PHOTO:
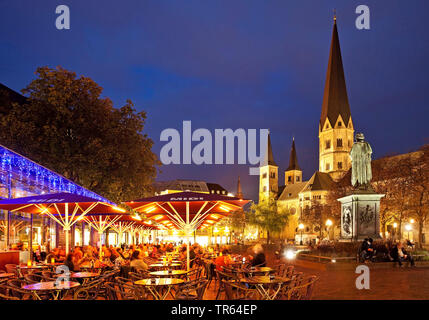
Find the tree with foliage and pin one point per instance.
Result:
(67, 126)
(317, 214)
(392, 177)
(268, 216)
(419, 190)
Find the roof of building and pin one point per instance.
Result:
(335, 99)
(319, 181)
(181, 185)
(293, 159)
(9, 96)
(216, 187)
(291, 191)
(269, 158)
(239, 193)
(189, 185)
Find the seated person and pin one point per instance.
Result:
(399, 254)
(366, 250)
(223, 260)
(138, 263)
(258, 258)
(69, 262)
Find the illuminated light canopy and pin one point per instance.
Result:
(226, 209)
(150, 209)
(31, 175)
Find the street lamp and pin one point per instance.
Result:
(412, 220)
(408, 227)
(328, 225)
(301, 227)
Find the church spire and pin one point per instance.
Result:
(269, 158)
(239, 192)
(335, 100)
(293, 159)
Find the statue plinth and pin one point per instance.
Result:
(360, 215)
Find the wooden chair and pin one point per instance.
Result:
(6, 297)
(237, 291)
(115, 292)
(227, 277)
(193, 290)
(33, 278)
(88, 292)
(304, 291)
(15, 289)
(11, 268)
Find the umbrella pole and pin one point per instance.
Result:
(187, 236)
(100, 234)
(30, 242)
(187, 253)
(66, 230)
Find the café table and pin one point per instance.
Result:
(50, 287)
(159, 287)
(267, 286)
(168, 273)
(164, 266)
(172, 261)
(89, 268)
(84, 276)
(29, 269)
(265, 271)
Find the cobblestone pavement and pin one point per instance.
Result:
(385, 284)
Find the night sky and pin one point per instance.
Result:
(235, 64)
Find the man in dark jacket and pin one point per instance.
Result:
(400, 254)
(366, 250)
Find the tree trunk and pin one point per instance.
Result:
(383, 229)
(268, 237)
(420, 234)
(400, 229)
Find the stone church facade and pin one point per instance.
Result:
(336, 133)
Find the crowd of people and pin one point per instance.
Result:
(136, 256)
(393, 252)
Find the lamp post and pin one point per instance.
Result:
(395, 225)
(301, 227)
(328, 225)
(408, 227)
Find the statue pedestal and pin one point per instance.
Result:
(360, 216)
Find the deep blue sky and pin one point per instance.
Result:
(235, 64)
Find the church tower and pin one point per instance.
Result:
(268, 174)
(239, 193)
(293, 173)
(335, 126)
